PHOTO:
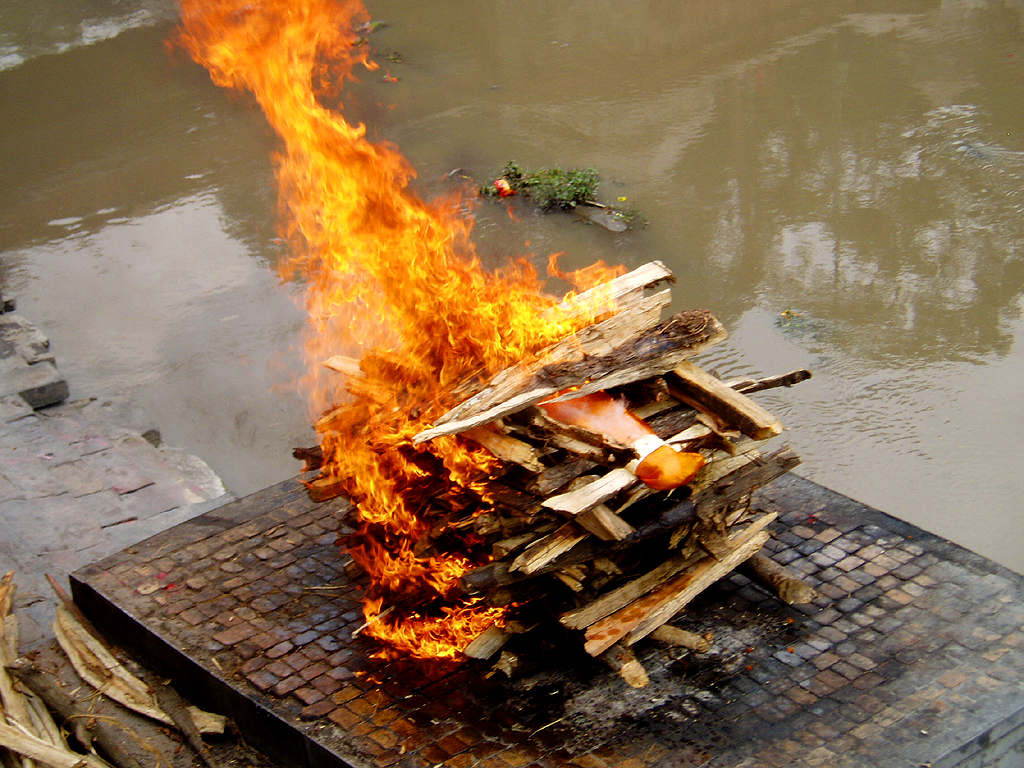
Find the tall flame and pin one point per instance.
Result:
(392, 276)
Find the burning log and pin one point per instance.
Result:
(618, 482)
(586, 365)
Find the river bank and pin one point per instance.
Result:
(79, 479)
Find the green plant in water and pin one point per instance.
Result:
(549, 188)
(553, 189)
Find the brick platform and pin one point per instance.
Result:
(913, 654)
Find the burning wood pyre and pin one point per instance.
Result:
(498, 511)
(559, 520)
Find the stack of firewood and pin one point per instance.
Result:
(573, 531)
(44, 722)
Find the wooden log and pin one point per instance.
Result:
(176, 708)
(681, 637)
(75, 714)
(700, 389)
(644, 615)
(487, 643)
(746, 386)
(777, 579)
(505, 447)
(551, 479)
(652, 353)
(624, 661)
(574, 502)
(605, 524)
(733, 486)
(542, 552)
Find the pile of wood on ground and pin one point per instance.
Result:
(573, 531)
(44, 722)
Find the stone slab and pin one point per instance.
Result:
(912, 655)
(27, 341)
(39, 385)
(27, 366)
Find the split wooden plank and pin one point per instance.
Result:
(701, 390)
(619, 290)
(603, 488)
(605, 524)
(487, 643)
(597, 339)
(505, 547)
(551, 479)
(644, 615)
(542, 552)
(506, 448)
(576, 440)
(682, 336)
(710, 571)
(598, 519)
(324, 488)
(620, 597)
(342, 364)
(32, 747)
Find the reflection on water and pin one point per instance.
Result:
(840, 182)
(31, 28)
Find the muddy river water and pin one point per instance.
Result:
(840, 182)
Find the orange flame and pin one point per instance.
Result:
(394, 277)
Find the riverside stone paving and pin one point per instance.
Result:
(912, 655)
(79, 480)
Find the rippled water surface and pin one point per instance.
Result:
(842, 183)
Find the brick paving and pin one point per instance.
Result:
(911, 655)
